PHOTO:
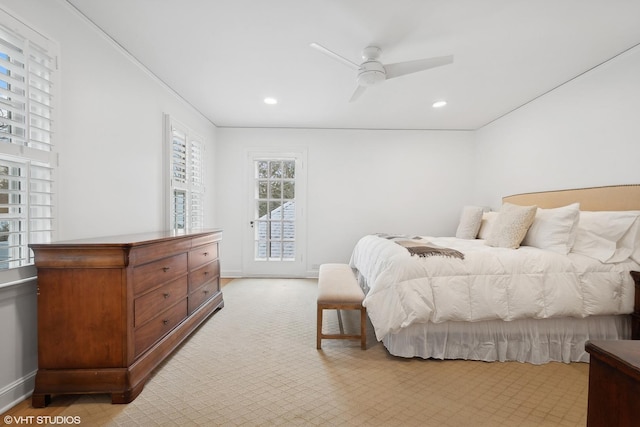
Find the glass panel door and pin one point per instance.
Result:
(275, 210)
(275, 216)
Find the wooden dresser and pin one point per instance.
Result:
(112, 309)
(614, 383)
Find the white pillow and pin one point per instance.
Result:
(554, 229)
(470, 220)
(488, 220)
(628, 246)
(511, 226)
(635, 254)
(594, 246)
(609, 236)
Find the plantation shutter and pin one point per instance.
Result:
(186, 195)
(27, 67)
(179, 178)
(196, 196)
(28, 72)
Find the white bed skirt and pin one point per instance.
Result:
(527, 340)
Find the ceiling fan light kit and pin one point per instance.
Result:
(372, 71)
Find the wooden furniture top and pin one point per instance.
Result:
(623, 355)
(119, 251)
(129, 240)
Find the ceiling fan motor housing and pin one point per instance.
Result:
(371, 73)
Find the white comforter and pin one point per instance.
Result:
(490, 283)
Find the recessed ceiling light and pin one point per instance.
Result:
(439, 104)
(270, 101)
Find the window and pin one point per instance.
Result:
(28, 72)
(184, 156)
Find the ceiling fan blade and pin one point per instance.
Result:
(356, 94)
(334, 55)
(402, 68)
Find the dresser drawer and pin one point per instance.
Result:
(146, 253)
(205, 239)
(150, 304)
(203, 293)
(202, 255)
(146, 335)
(147, 276)
(203, 274)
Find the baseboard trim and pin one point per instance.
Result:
(17, 391)
(231, 274)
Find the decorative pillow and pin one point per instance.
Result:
(609, 236)
(470, 220)
(511, 225)
(554, 229)
(488, 220)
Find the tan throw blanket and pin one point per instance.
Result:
(418, 246)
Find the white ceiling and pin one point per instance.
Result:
(224, 57)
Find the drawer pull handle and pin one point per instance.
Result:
(205, 291)
(165, 269)
(166, 295)
(206, 272)
(206, 254)
(165, 321)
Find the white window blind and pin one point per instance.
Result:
(28, 73)
(186, 176)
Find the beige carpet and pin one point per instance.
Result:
(255, 363)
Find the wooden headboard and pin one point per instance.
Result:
(609, 198)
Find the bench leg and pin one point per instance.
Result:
(363, 328)
(319, 328)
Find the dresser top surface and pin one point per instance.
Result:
(131, 240)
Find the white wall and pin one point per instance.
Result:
(585, 133)
(358, 182)
(19, 351)
(110, 140)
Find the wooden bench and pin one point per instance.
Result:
(338, 289)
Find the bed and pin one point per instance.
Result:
(497, 293)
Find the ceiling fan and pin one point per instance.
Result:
(372, 72)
